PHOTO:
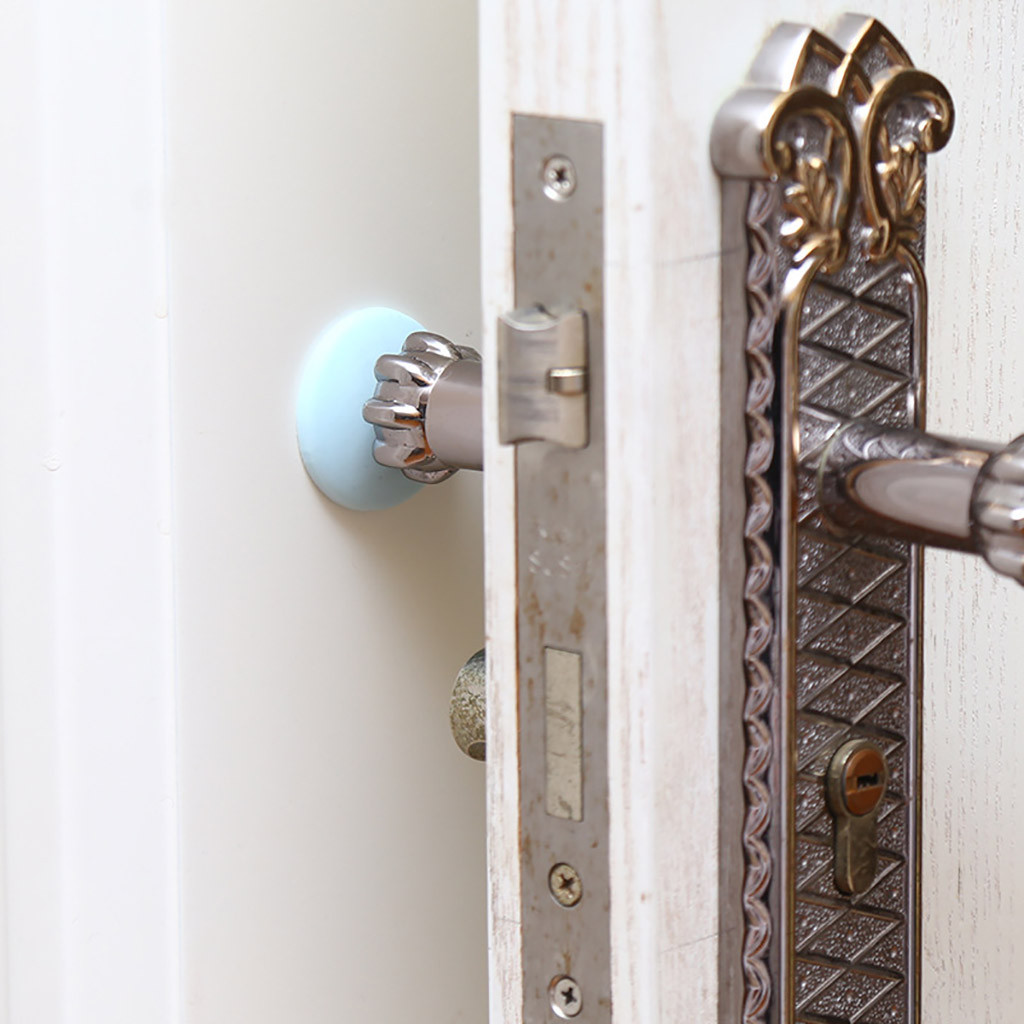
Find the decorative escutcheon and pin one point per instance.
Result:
(823, 158)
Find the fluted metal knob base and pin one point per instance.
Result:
(962, 495)
(427, 409)
(997, 510)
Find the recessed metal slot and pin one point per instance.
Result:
(563, 741)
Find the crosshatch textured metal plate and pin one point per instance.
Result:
(832, 198)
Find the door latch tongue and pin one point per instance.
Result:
(542, 377)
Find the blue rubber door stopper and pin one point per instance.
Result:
(335, 442)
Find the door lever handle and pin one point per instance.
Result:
(904, 483)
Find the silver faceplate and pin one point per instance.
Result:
(560, 536)
(822, 156)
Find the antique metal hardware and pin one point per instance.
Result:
(823, 158)
(467, 710)
(856, 780)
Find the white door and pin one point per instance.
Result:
(655, 74)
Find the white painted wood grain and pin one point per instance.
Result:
(602, 61)
(655, 74)
(973, 895)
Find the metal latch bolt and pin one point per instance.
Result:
(542, 377)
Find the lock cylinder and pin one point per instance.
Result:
(858, 777)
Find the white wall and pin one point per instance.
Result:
(229, 792)
(322, 156)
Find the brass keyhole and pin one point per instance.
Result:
(864, 778)
(857, 777)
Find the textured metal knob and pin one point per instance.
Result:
(413, 433)
(997, 510)
(468, 709)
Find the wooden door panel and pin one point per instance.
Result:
(655, 75)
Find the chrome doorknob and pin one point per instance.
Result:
(427, 409)
(963, 495)
(424, 419)
(426, 415)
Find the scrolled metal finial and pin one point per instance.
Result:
(398, 409)
(891, 164)
(820, 186)
(997, 510)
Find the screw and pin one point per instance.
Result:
(559, 177)
(565, 884)
(566, 996)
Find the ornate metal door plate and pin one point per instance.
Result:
(822, 156)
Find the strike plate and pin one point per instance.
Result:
(560, 515)
(823, 159)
